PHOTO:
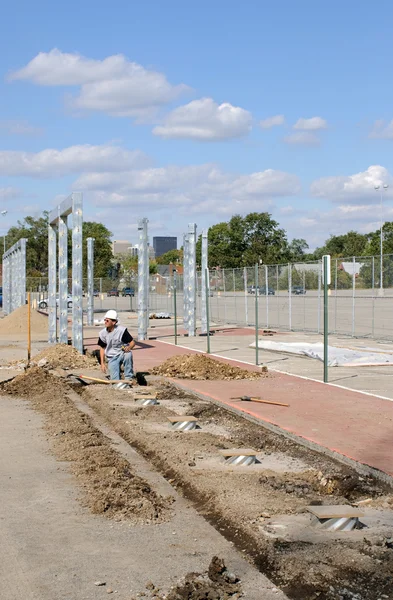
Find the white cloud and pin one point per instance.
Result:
(357, 188)
(272, 122)
(312, 124)
(113, 85)
(8, 193)
(382, 130)
(302, 138)
(191, 189)
(205, 120)
(51, 163)
(19, 128)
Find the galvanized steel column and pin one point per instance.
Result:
(52, 284)
(185, 281)
(77, 313)
(143, 280)
(90, 281)
(204, 298)
(22, 289)
(63, 280)
(192, 279)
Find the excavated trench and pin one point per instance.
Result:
(261, 509)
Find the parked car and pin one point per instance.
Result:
(44, 303)
(262, 290)
(128, 291)
(113, 292)
(210, 293)
(297, 290)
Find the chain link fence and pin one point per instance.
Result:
(290, 296)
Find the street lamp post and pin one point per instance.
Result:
(381, 189)
(4, 212)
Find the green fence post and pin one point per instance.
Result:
(326, 282)
(256, 315)
(207, 292)
(174, 303)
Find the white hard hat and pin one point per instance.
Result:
(111, 314)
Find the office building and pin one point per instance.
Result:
(120, 247)
(162, 245)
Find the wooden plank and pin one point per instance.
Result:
(335, 512)
(241, 452)
(181, 419)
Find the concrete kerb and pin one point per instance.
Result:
(360, 468)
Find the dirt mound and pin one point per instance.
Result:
(16, 322)
(65, 357)
(109, 484)
(33, 382)
(200, 366)
(217, 584)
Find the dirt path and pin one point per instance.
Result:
(53, 548)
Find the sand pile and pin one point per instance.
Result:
(217, 584)
(65, 357)
(16, 322)
(200, 366)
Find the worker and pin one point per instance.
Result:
(116, 344)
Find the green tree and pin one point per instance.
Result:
(297, 250)
(36, 232)
(244, 241)
(172, 256)
(102, 248)
(344, 246)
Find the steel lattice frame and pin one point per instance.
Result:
(90, 281)
(14, 276)
(143, 280)
(58, 225)
(205, 283)
(191, 279)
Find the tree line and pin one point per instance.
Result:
(241, 241)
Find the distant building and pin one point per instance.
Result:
(151, 251)
(120, 247)
(162, 245)
(134, 250)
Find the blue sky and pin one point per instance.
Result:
(191, 113)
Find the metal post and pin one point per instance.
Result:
(185, 281)
(175, 302)
(204, 281)
(77, 309)
(326, 278)
(224, 291)
(373, 296)
(245, 294)
(22, 271)
(63, 283)
(335, 297)
(256, 315)
(207, 294)
(143, 280)
(90, 281)
(192, 279)
(52, 261)
(267, 295)
(304, 300)
(278, 297)
(234, 292)
(353, 296)
(319, 296)
(290, 296)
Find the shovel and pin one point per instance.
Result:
(107, 381)
(257, 399)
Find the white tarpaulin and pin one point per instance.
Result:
(338, 357)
